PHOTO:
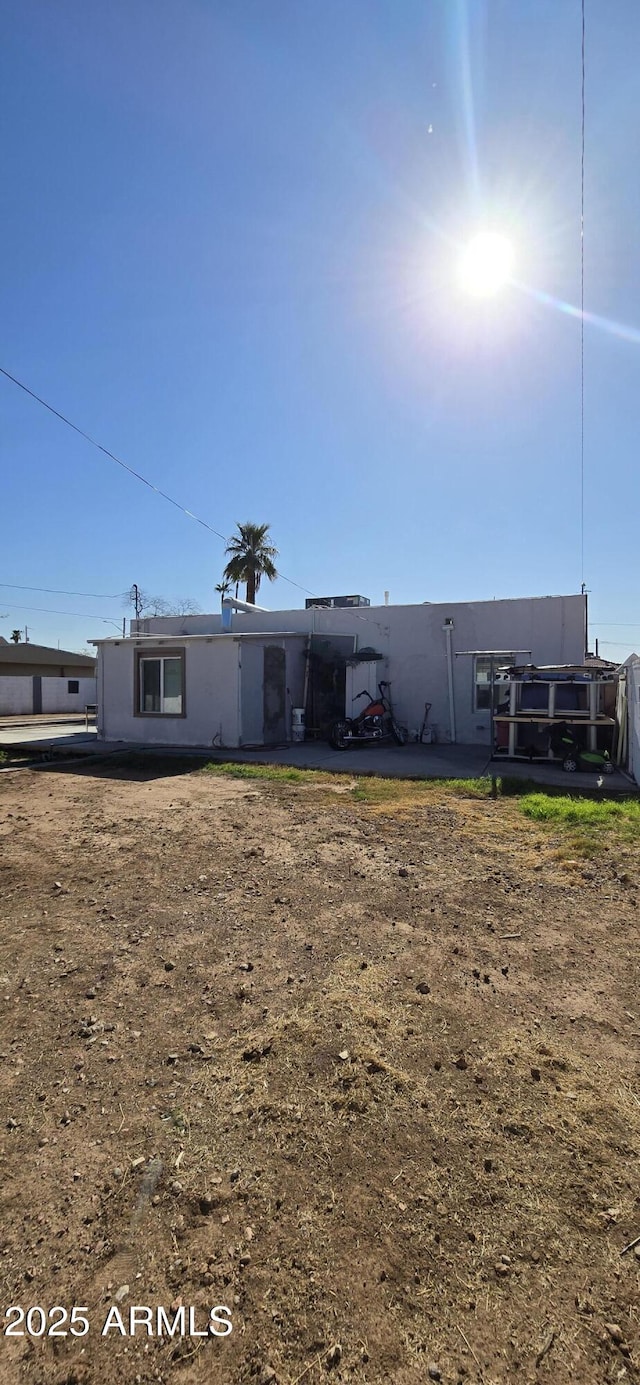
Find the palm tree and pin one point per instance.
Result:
(224, 587)
(251, 557)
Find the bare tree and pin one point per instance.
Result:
(184, 606)
(148, 605)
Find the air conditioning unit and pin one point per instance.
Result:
(329, 602)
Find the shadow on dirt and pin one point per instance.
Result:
(117, 766)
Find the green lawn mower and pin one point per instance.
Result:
(564, 744)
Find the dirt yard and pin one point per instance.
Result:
(361, 1069)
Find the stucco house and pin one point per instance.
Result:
(193, 681)
(35, 678)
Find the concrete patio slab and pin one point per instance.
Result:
(39, 733)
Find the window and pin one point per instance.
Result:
(160, 684)
(482, 682)
(73, 685)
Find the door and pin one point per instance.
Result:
(251, 692)
(274, 695)
(37, 693)
(326, 692)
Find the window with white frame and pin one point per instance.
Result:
(482, 678)
(160, 680)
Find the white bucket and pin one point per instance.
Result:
(297, 723)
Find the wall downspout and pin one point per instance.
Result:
(100, 726)
(448, 628)
(239, 730)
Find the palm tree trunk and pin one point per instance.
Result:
(251, 587)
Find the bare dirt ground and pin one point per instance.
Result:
(367, 1076)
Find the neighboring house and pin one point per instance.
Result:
(188, 680)
(34, 678)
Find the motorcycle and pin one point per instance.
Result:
(375, 722)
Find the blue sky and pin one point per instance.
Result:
(231, 233)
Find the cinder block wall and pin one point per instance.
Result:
(16, 696)
(57, 698)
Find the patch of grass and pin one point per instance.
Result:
(590, 824)
(389, 795)
(407, 793)
(276, 773)
(581, 812)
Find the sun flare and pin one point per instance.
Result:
(486, 264)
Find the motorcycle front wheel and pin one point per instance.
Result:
(399, 733)
(339, 737)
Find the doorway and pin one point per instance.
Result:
(274, 700)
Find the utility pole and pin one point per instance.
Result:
(134, 598)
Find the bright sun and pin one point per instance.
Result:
(486, 264)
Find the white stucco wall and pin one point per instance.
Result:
(16, 695)
(633, 707)
(211, 701)
(547, 630)
(218, 672)
(56, 698)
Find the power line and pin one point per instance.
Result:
(125, 466)
(82, 615)
(60, 591)
(582, 319)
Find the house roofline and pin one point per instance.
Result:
(157, 637)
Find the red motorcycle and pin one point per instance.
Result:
(375, 722)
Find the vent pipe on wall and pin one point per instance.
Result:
(237, 605)
(448, 627)
(231, 603)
